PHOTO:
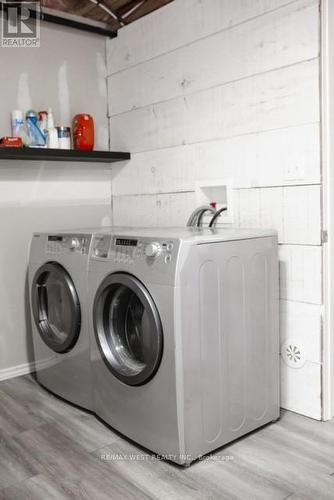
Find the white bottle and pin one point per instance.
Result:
(17, 122)
(52, 135)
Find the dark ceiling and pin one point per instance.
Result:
(116, 13)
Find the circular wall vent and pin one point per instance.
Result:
(293, 354)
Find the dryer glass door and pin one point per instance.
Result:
(128, 329)
(56, 307)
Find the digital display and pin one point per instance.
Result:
(55, 238)
(126, 243)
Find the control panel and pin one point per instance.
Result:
(58, 244)
(127, 251)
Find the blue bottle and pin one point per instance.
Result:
(36, 136)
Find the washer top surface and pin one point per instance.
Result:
(81, 230)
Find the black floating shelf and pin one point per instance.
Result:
(41, 154)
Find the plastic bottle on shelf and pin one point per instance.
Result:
(37, 138)
(20, 127)
(52, 134)
(16, 122)
(43, 121)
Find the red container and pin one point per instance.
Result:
(11, 142)
(83, 132)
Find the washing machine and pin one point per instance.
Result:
(184, 336)
(58, 295)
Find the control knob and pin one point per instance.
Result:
(153, 249)
(74, 243)
(99, 252)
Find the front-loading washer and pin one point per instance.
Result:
(184, 336)
(59, 307)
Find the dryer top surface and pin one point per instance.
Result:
(194, 235)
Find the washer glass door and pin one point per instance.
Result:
(56, 307)
(128, 329)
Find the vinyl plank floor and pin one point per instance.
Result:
(157, 478)
(52, 450)
(16, 463)
(37, 401)
(89, 432)
(37, 487)
(14, 417)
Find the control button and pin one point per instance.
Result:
(168, 259)
(74, 243)
(153, 249)
(170, 247)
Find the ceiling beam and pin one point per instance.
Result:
(48, 15)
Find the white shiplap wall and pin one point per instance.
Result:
(229, 90)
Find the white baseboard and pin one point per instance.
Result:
(33, 366)
(17, 371)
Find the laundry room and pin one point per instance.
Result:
(166, 258)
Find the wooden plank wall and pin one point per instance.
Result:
(229, 90)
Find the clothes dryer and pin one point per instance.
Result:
(184, 336)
